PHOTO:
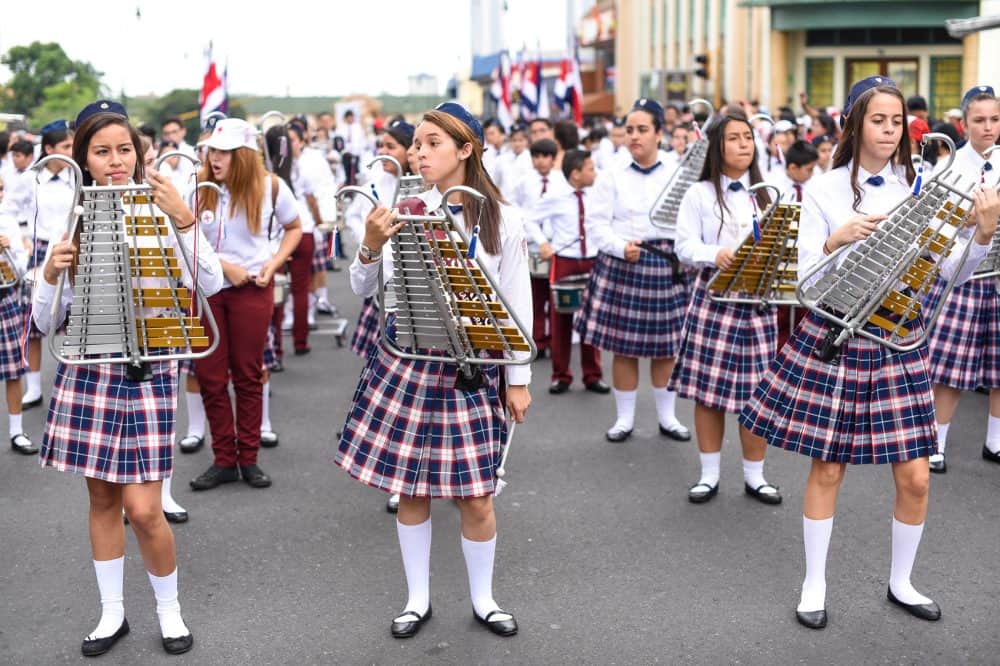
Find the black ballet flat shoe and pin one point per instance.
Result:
(98, 646)
(191, 444)
(938, 466)
(23, 445)
(32, 403)
(599, 386)
(392, 505)
(268, 439)
(764, 498)
(409, 628)
(617, 435)
(176, 516)
(498, 627)
(989, 455)
(178, 645)
(930, 612)
(678, 433)
(811, 619)
(255, 476)
(558, 387)
(700, 493)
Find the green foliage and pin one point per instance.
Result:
(45, 79)
(181, 103)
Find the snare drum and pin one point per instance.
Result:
(280, 288)
(538, 267)
(567, 293)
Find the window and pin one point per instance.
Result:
(819, 82)
(946, 85)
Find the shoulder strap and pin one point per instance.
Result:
(274, 203)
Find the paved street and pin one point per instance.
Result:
(600, 555)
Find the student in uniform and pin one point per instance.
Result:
(873, 406)
(964, 346)
(20, 181)
(516, 164)
(727, 346)
(404, 449)
(308, 171)
(116, 431)
(824, 146)
(243, 307)
(635, 301)
(565, 213)
(12, 366)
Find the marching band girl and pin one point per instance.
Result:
(243, 307)
(12, 364)
(964, 347)
(410, 431)
(873, 406)
(117, 431)
(727, 346)
(635, 301)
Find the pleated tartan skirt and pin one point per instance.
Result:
(37, 258)
(410, 431)
(366, 333)
(726, 350)
(634, 310)
(106, 427)
(964, 344)
(873, 406)
(12, 364)
(320, 258)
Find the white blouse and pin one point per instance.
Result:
(703, 228)
(51, 203)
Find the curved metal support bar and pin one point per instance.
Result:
(990, 151)
(262, 127)
(460, 189)
(357, 190)
(762, 116)
(206, 184)
(701, 101)
(938, 136)
(176, 153)
(399, 172)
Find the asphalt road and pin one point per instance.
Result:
(600, 556)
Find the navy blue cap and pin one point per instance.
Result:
(402, 131)
(650, 106)
(100, 106)
(860, 88)
(60, 125)
(458, 111)
(974, 92)
(822, 138)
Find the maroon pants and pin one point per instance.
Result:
(242, 315)
(786, 324)
(562, 330)
(300, 267)
(540, 295)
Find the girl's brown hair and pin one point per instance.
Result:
(245, 181)
(714, 162)
(849, 148)
(486, 213)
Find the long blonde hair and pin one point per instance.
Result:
(245, 181)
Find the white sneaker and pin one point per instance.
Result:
(324, 307)
(286, 324)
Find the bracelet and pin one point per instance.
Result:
(184, 228)
(825, 249)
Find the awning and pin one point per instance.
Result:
(829, 14)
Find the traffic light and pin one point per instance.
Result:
(701, 68)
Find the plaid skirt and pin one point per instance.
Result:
(319, 259)
(410, 431)
(12, 364)
(41, 247)
(964, 345)
(726, 350)
(635, 309)
(366, 333)
(874, 406)
(106, 427)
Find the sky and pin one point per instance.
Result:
(332, 48)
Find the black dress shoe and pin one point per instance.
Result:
(277, 366)
(930, 612)
(255, 477)
(938, 466)
(178, 645)
(811, 619)
(409, 628)
(215, 476)
(392, 504)
(765, 498)
(558, 387)
(302, 351)
(598, 386)
(191, 444)
(176, 516)
(268, 439)
(700, 493)
(23, 445)
(617, 435)
(676, 432)
(32, 403)
(499, 627)
(989, 455)
(98, 646)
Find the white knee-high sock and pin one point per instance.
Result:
(196, 414)
(665, 402)
(905, 541)
(942, 436)
(15, 423)
(111, 584)
(753, 474)
(992, 433)
(710, 465)
(170, 505)
(479, 563)
(816, 538)
(265, 412)
(625, 405)
(168, 609)
(415, 547)
(34, 382)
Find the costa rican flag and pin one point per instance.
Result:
(501, 93)
(534, 97)
(569, 89)
(213, 90)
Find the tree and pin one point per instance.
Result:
(180, 103)
(37, 67)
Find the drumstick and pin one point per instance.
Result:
(501, 469)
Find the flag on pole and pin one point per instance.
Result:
(534, 97)
(500, 92)
(569, 89)
(213, 90)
